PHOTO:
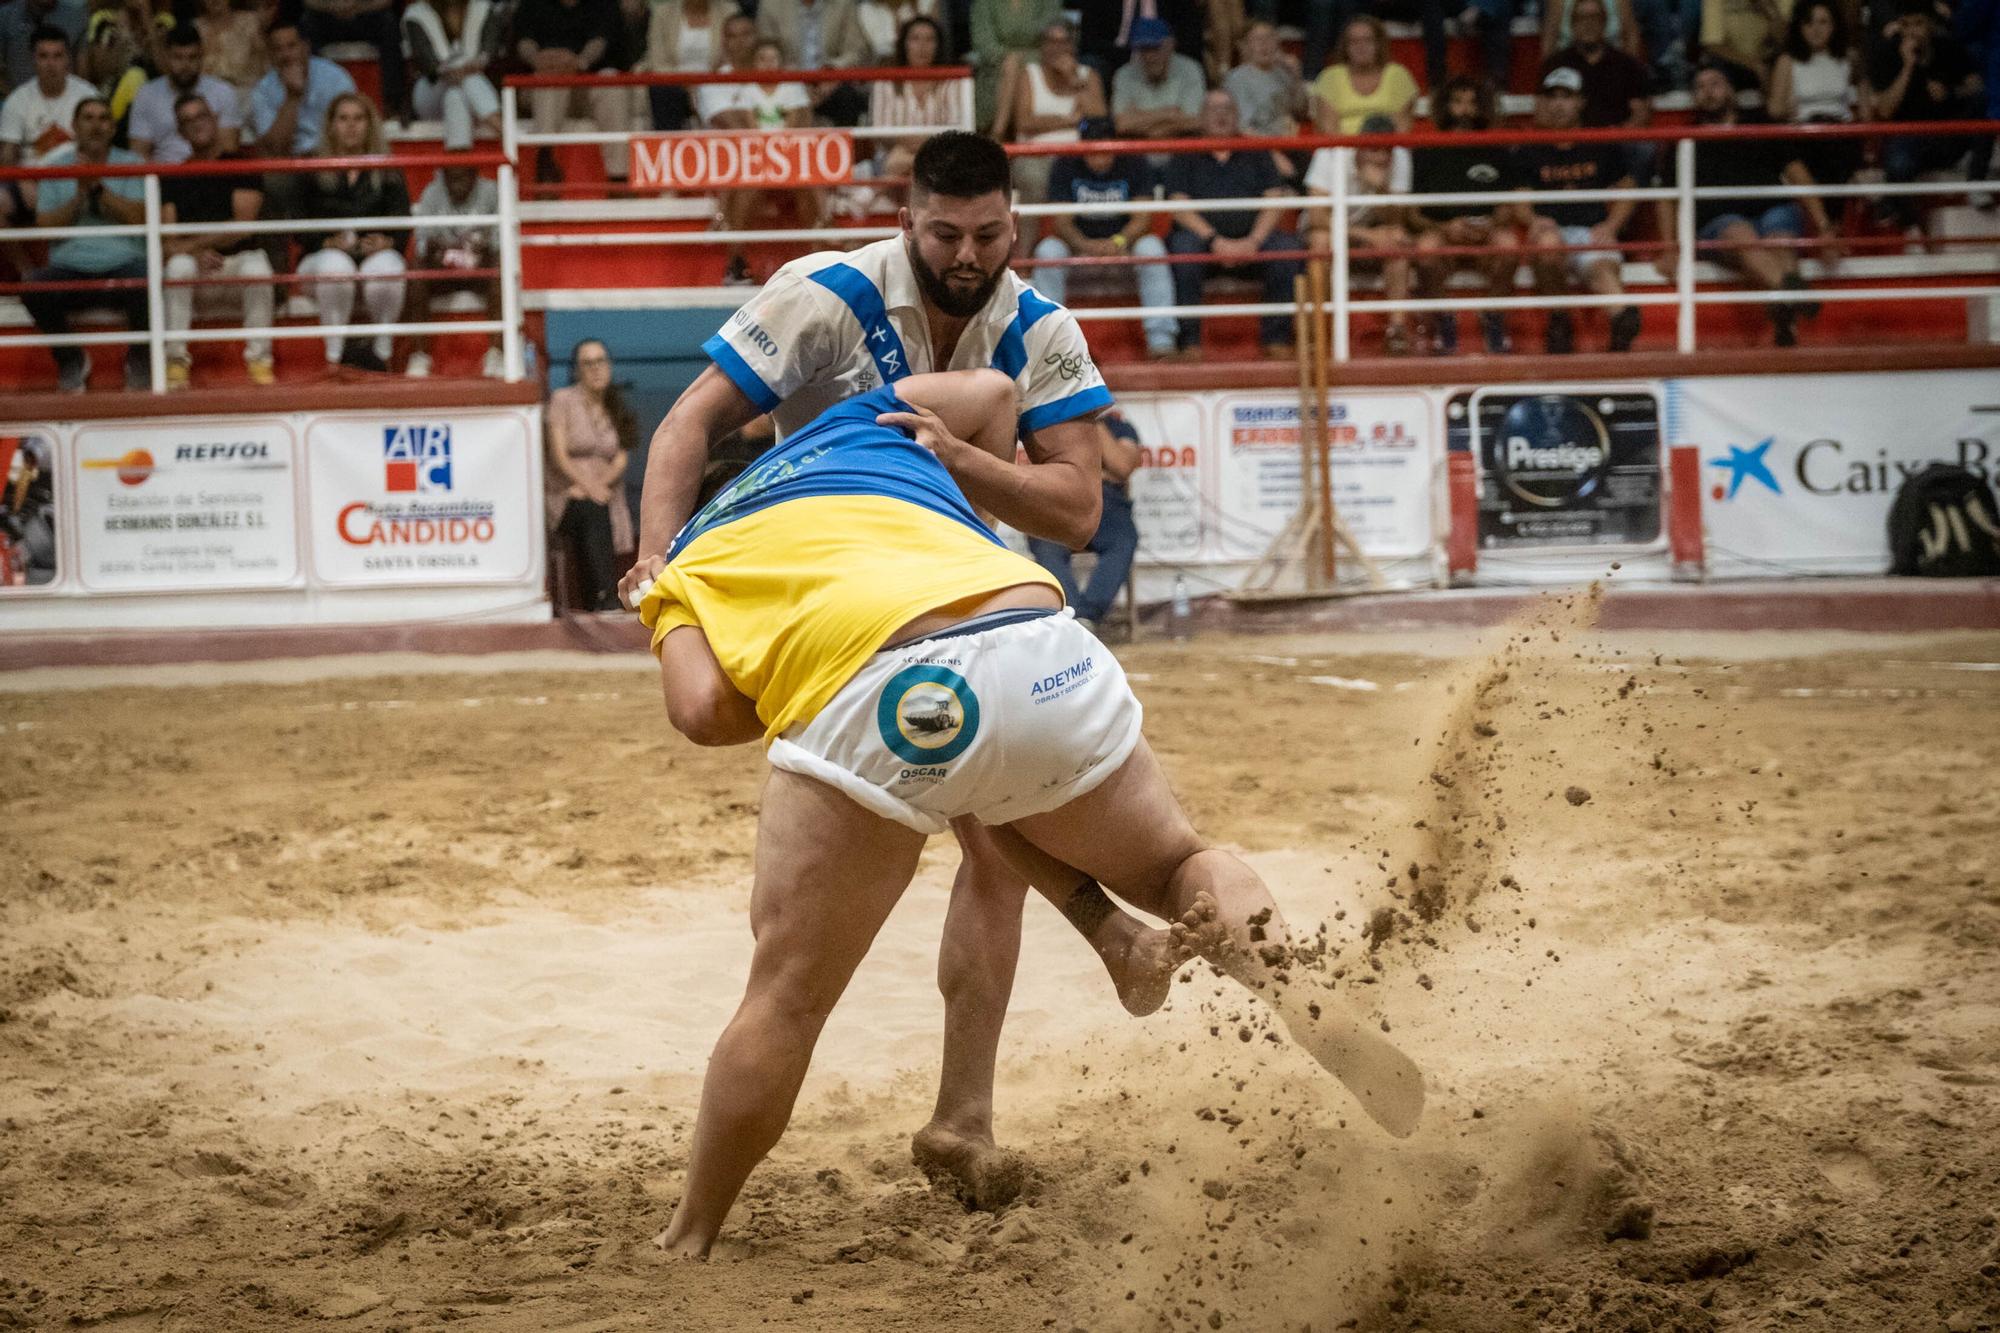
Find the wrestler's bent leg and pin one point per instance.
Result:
(1131, 835)
(827, 875)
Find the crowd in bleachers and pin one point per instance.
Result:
(145, 80)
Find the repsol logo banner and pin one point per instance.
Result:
(1799, 471)
(742, 159)
(396, 502)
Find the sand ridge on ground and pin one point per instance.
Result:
(382, 1002)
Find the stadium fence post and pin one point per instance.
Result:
(156, 304)
(510, 270)
(1684, 243)
(1339, 230)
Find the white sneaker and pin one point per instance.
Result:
(419, 367)
(494, 366)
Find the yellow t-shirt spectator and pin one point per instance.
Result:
(1392, 96)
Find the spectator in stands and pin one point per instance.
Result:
(918, 104)
(21, 21)
(1593, 224)
(455, 192)
(216, 198)
(452, 44)
(1233, 237)
(324, 22)
(1106, 178)
(882, 23)
(1116, 540)
(1370, 226)
(1266, 85)
(1754, 231)
(36, 117)
(1105, 40)
(35, 121)
(1619, 28)
(1617, 90)
(353, 130)
(1488, 22)
(154, 131)
(289, 105)
(820, 34)
(682, 37)
(761, 106)
(1813, 84)
(738, 46)
(232, 46)
(1365, 83)
(1054, 95)
(1005, 34)
(119, 38)
(591, 437)
(1743, 34)
(574, 37)
(101, 201)
(1919, 73)
(1158, 93)
(1464, 104)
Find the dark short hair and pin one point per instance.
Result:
(960, 165)
(1441, 102)
(282, 24)
(180, 103)
(88, 101)
(183, 35)
(47, 32)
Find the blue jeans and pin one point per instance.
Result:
(1116, 542)
(51, 310)
(1906, 157)
(1780, 219)
(1156, 285)
(1277, 274)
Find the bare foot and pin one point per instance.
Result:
(1200, 933)
(987, 1177)
(685, 1248)
(1144, 972)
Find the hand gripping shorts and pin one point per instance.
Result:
(1007, 715)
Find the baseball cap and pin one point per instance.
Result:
(1149, 32)
(1096, 127)
(1563, 77)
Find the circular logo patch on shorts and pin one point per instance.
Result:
(927, 715)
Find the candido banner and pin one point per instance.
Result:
(742, 159)
(1799, 471)
(421, 500)
(186, 502)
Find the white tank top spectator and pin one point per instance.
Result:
(685, 37)
(1054, 95)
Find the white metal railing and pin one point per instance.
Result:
(153, 231)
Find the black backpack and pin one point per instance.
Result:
(1944, 525)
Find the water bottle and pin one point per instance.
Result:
(1180, 612)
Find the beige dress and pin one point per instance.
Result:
(234, 50)
(593, 453)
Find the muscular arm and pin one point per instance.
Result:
(709, 409)
(701, 703)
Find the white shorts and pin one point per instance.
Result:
(994, 720)
(1580, 261)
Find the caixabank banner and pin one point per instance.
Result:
(1799, 471)
(421, 499)
(186, 503)
(1564, 467)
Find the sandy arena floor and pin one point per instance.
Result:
(385, 999)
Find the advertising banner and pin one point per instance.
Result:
(422, 500)
(742, 159)
(1168, 489)
(1800, 470)
(1380, 477)
(186, 502)
(1567, 467)
(28, 513)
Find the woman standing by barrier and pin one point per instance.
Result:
(353, 130)
(592, 432)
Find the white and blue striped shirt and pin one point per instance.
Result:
(839, 323)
